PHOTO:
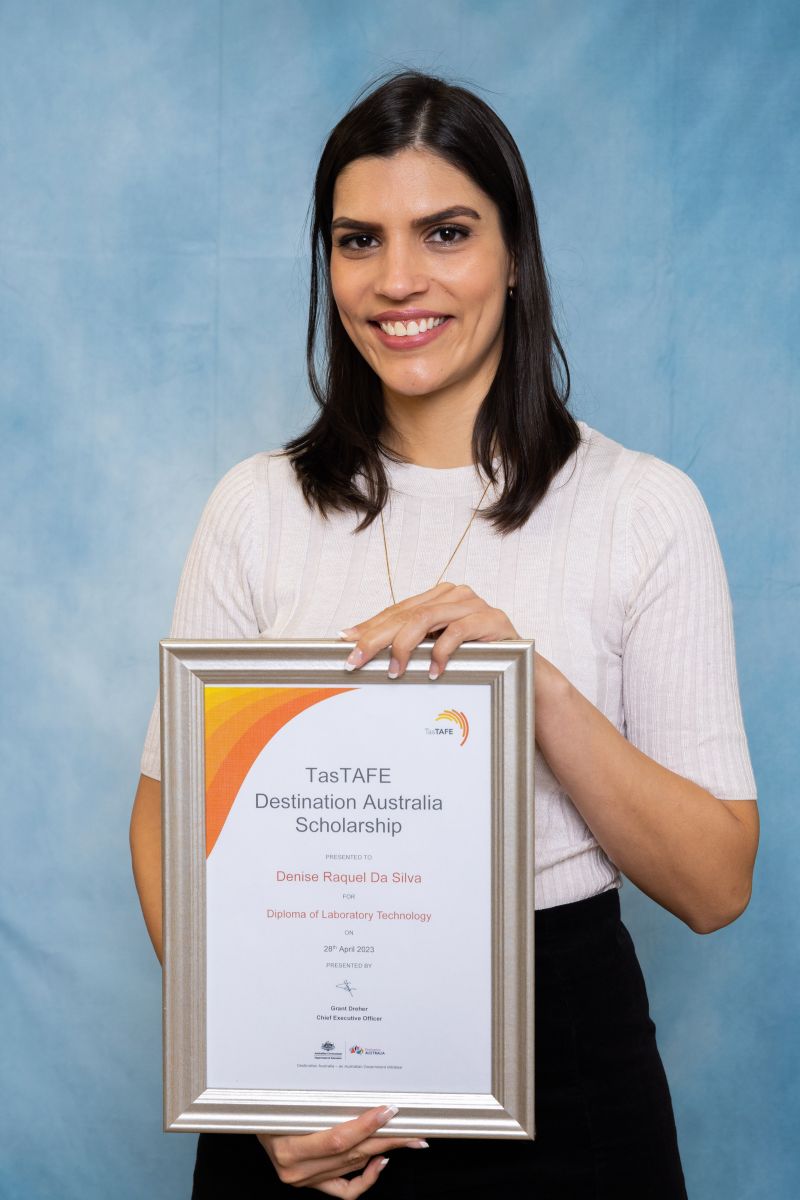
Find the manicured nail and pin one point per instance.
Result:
(434, 672)
(419, 1145)
(394, 668)
(391, 1110)
(384, 1161)
(347, 634)
(354, 659)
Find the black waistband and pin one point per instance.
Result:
(581, 914)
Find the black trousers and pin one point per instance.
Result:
(605, 1125)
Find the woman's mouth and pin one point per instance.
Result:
(408, 335)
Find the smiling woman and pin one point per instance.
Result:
(442, 377)
(423, 210)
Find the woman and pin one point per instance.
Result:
(445, 491)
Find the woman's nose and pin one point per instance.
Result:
(400, 272)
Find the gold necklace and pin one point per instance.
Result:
(450, 559)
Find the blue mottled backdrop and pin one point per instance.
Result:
(157, 161)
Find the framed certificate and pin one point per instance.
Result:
(348, 888)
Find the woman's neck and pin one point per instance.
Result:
(429, 435)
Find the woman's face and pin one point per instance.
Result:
(415, 240)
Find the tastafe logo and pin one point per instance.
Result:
(459, 719)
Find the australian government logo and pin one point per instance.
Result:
(457, 723)
(328, 1052)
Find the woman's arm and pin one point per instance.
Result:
(688, 850)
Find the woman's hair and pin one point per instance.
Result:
(523, 418)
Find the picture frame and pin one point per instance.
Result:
(473, 1030)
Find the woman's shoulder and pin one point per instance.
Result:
(239, 510)
(644, 479)
(253, 477)
(654, 511)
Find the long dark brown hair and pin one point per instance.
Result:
(523, 418)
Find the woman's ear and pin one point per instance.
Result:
(512, 273)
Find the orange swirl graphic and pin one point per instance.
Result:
(459, 719)
(239, 722)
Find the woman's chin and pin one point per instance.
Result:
(418, 387)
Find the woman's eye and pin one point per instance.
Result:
(451, 234)
(355, 241)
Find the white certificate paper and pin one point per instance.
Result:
(348, 887)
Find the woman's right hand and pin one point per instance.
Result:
(320, 1160)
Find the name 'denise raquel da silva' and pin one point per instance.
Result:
(368, 803)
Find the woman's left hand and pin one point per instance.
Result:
(453, 609)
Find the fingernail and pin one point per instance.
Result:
(384, 1161)
(346, 634)
(394, 668)
(391, 1110)
(434, 672)
(419, 1145)
(353, 659)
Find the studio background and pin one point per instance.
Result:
(157, 168)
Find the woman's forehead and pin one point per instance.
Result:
(416, 181)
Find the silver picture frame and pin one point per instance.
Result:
(507, 1111)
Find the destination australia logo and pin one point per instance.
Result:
(365, 1050)
(457, 723)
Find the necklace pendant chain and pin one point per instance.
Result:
(450, 559)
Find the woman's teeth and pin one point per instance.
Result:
(409, 328)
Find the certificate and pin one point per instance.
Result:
(348, 867)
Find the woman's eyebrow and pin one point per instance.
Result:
(446, 214)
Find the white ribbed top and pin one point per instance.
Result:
(617, 576)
